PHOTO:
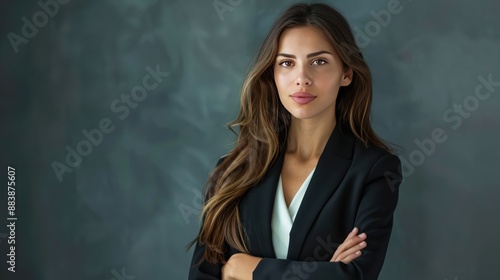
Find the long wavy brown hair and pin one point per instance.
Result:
(263, 124)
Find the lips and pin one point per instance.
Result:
(302, 97)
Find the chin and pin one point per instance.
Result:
(302, 115)
(311, 113)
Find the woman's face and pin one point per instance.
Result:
(308, 73)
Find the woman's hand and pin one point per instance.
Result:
(351, 248)
(240, 267)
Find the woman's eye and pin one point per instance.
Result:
(319, 61)
(286, 63)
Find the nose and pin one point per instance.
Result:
(303, 78)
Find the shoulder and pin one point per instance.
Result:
(350, 147)
(370, 153)
(375, 167)
(374, 159)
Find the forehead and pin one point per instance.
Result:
(303, 39)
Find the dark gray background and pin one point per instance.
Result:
(131, 205)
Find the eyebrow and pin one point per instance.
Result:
(308, 56)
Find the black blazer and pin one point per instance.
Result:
(352, 186)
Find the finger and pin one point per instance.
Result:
(351, 257)
(355, 239)
(349, 247)
(351, 250)
(352, 242)
(351, 234)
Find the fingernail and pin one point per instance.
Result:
(354, 229)
(362, 235)
(362, 243)
(358, 252)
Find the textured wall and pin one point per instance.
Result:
(108, 187)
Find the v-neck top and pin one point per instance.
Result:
(283, 217)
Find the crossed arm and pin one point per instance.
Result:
(374, 218)
(240, 266)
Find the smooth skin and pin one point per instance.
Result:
(305, 62)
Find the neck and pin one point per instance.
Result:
(307, 138)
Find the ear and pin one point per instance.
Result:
(346, 77)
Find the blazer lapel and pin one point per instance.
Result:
(330, 170)
(262, 200)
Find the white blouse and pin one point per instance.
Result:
(283, 217)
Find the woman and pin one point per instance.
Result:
(309, 190)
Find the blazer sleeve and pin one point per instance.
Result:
(374, 217)
(205, 270)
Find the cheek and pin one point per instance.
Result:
(281, 82)
(282, 87)
(328, 82)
